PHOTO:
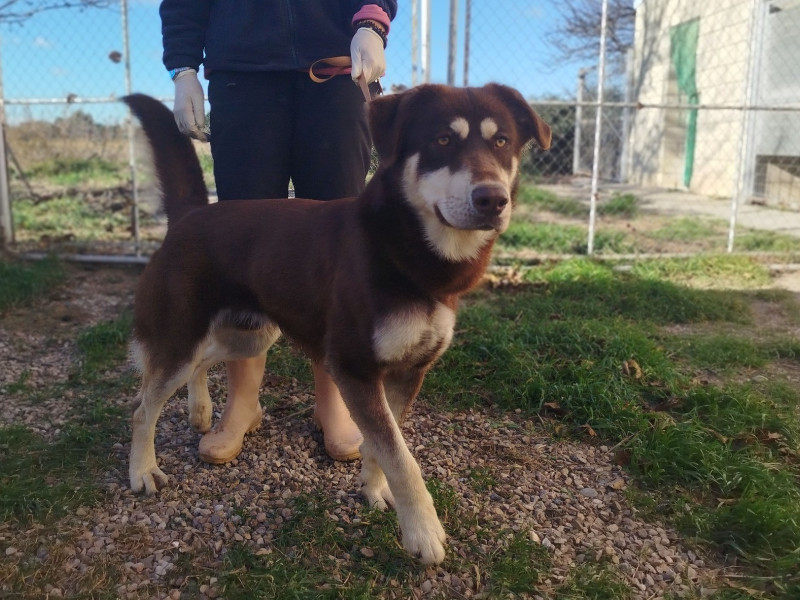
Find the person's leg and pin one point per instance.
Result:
(242, 413)
(341, 434)
(330, 159)
(249, 134)
(251, 130)
(331, 146)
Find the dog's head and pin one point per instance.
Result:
(459, 151)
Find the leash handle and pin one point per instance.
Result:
(323, 69)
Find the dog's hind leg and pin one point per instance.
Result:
(199, 399)
(224, 344)
(388, 460)
(156, 390)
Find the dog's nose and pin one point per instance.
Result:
(489, 199)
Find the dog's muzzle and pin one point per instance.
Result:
(490, 200)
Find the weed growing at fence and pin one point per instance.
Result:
(558, 224)
(620, 205)
(67, 218)
(22, 282)
(69, 172)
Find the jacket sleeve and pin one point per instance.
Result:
(183, 32)
(382, 11)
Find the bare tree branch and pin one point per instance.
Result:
(577, 37)
(16, 12)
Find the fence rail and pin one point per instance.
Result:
(684, 146)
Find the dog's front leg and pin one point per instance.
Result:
(386, 459)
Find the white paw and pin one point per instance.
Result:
(150, 478)
(424, 536)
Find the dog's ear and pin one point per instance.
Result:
(530, 123)
(382, 115)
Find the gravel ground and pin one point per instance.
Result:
(567, 496)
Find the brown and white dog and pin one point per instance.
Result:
(369, 284)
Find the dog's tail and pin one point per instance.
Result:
(180, 176)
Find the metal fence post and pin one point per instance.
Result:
(451, 54)
(601, 75)
(467, 26)
(6, 221)
(624, 155)
(131, 131)
(576, 150)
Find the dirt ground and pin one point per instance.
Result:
(566, 495)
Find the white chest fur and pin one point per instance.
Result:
(414, 334)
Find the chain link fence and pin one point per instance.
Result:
(691, 148)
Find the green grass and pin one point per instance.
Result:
(22, 282)
(563, 347)
(533, 228)
(620, 205)
(708, 271)
(593, 581)
(77, 171)
(43, 480)
(68, 217)
(543, 200)
(766, 241)
(686, 383)
(315, 556)
(690, 229)
(518, 566)
(559, 239)
(104, 346)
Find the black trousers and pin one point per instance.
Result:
(268, 128)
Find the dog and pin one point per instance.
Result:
(370, 284)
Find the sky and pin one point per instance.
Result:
(66, 52)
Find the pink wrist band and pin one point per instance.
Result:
(373, 12)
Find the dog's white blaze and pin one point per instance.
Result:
(451, 193)
(488, 128)
(461, 127)
(413, 334)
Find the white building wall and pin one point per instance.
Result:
(658, 134)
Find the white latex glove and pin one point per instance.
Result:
(366, 54)
(189, 109)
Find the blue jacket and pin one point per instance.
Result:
(258, 35)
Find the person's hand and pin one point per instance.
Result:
(366, 54)
(189, 109)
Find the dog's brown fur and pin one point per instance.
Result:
(369, 285)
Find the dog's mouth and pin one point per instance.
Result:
(495, 225)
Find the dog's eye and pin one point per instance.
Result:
(443, 140)
(500, 142)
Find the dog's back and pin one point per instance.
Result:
(177, 167)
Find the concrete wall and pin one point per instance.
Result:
(658, 134)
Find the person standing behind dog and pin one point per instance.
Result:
(271, 123)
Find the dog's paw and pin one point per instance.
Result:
(150, 479)
(424, 537)
(425, 541)
(200, 408)
(378, 496)
(200, 419)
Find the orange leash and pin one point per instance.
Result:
(325, 68)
